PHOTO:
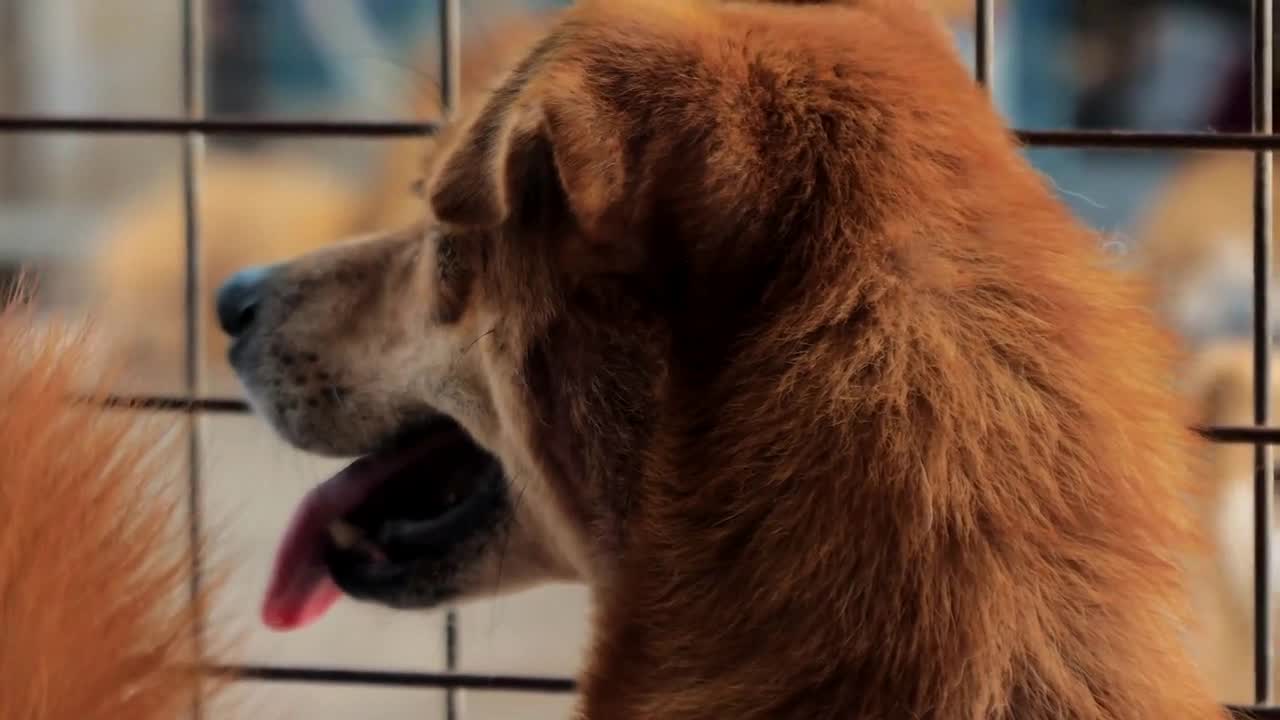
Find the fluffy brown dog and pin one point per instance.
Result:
(93, 569)
(1195, 245)
(754, 319)
(1220, 382)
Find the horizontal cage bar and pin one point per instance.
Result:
(171, 126)
(1254, 712)
(1235, 434)
(166, 403)
(1142, 140)
(1117, 139)
(445, 681)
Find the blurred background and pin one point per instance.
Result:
(100, 219)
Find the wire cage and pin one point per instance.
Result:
(194, 126)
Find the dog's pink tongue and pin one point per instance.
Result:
(301, 590)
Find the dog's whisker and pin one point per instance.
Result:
(482, 336)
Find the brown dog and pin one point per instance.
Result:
(1220, 382)
(1195, 245)
(753, 319)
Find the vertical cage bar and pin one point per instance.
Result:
(453, 703)
(984, 46)
(1264, 482)
(450, 54)
(450, 90)
(193, 72)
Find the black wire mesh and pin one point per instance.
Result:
(192, 154)
(1264, 481)
(194, 127)
(450, 88)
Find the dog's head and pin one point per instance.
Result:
(638, 196)
(1219, 383)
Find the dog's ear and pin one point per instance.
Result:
(540, 152)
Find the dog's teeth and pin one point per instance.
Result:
(349, 537)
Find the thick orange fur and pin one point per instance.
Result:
(93, 565)
(939, 474)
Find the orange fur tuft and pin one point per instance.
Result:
(94, 554)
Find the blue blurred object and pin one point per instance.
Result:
(1038, 82)
(296, 71)
(294, 67)
(292, 63)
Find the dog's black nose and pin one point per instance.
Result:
(238, 300)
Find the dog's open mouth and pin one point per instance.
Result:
(380, 517)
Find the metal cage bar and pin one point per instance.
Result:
(193, 76)
(211, 126)
(193, 127)
(334, 676)
(1264, 479)
(450, 91)
(1100, 139)
(984, 30)
(450, 55)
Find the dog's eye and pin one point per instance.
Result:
(419, 188)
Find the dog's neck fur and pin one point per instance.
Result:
(892, 501)
(913, 517)
(915, 496)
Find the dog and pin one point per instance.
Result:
(1219, 380)
(93, 548)
(1194, 244)
(752, 318)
